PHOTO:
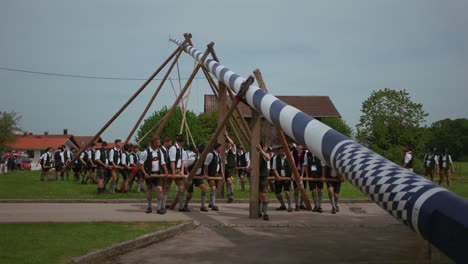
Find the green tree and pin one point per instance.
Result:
(170, 130)
(450, 134)
(8, 127)
(339, 125)
(391, 121)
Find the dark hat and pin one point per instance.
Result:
(201, 147)
(180, 137)
(191, 147)
(269, 149)
(239, 146)
(103, 143)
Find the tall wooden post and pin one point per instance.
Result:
(256, 126)
(284, 143)
(222, 99)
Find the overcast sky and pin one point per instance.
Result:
(343, 49)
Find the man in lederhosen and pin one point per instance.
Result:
(263, 182)
(313, 169)
(212, 168)
(333, 185)
(282, 171)
(91, 163)
(152, 162)
(102, 165)
(197, 182)
(177, 168)
(446, 167)
(58, 161)
(298, 154)
(46, 164)
(431, 164)
(115, 159)
(241, 166)
(230, 165)
(126, 169)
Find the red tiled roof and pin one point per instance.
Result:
(315, 106)
(30, 142)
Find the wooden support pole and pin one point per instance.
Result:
(284, 143)
(129, 101)
(177, 101)
(254, 164)
(214, 88)
(245, 126)
(221, 139)
(154, 96)
(218, 132)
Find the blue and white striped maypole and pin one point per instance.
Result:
(437, 214)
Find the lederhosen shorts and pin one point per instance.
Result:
(283, 185)
(229, 171)
(196, 183)
(125, 173)
(77, 167)
(101, 173)
(241, 172)
(263, 184)
(336, 185)
(58, 166)
(315, 184)
(153, 182)
(90, 167)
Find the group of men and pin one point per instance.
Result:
(438, 164)
(433, 163)
(162, 163)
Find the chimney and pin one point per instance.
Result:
(25, 133)
(30, 133)
(65, 131)
(46, 133)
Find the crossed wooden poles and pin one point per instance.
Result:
(229, 112)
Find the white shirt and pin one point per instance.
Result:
(111, 156)
(132, 159)
(98, 156)
(124, 158)
(408, 156)
(209, 159)
(172, 155)
(444, 159)
(154, 163)
(247, 158)
(188, 158)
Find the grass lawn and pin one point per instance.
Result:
(26, 185)
(59, 242)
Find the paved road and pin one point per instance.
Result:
(360, 233)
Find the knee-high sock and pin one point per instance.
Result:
(265, 207)
(180, 195)
(229, 187)
(296, 199)
(213, 198)
(242, 185)
(160, 201)
(314, 198)
(164, 200)
(320, 195)
(203, 199)
(280, 199)
(332, 199)
(288, 197)
(149, 202)
(336, 199)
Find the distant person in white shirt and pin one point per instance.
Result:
(446, 167)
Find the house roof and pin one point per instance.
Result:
(315, 106)
(32, 142)
(83, 140)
